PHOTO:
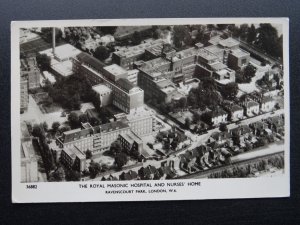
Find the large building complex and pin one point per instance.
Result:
(95, 139)
(125, 95)
(61, 59)
(126, 56)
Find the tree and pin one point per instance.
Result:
(182, 103)
(88, 154)
(104, 167)
(187, 123)
(74, 120)
(45, 126)
(37, 131)
(83, 118)
(229, 91)
(244, 31)
(43, 61)
(136, 38)
(268, 40)
(47, 34)
(223, 127)
(222, 26)
(251, 34)
(180, 33)
(101, 53)
(108, 30)
(115, 148)
(57, 175)
(249, 72)
(121, 160)
(55, 126)
(65, 128)
(94, 169)
(73, 175)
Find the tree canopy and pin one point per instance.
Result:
(43, 61)
(71, 91)
(230, 90)
(121, 160)
(115, 148)
(94, 169)
(101, 53)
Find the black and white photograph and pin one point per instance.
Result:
(158, 109)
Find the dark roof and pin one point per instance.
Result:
(92, 113)
(88, 59)
(71, 135)
(125, 84)
(166, 170)
(190, 154)
(110, 126)
(235, 108)
(276, 120)
(130, 175)
(252, 103)
(218, 112)
(258, 125)
(241, 130)
(266, 99)
(222, 135)
(147, 171)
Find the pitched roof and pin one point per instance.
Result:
(241, 130)
(130, 175)
(147, 171)
(251, 104)
(69, 136)
(218, 112)
(166, 170)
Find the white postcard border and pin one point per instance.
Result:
(208, 189)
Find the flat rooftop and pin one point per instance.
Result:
(115, 69)
(229, 42)
(215, 40)
(185, 54)
(218, 66)
(138, 113)
(214, 49)
(240, 53)
(64, 68)
(101, 88)
(62, 52)
(205, 54)
(156, 63)
(130, 51)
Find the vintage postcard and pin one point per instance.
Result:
(149, 109)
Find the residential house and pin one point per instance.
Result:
(215, 117)
(148, 173)
(276, 124)
(235, 112)
(130, 175)
(166, 172)
(258, 127)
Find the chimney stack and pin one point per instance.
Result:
(53, 40)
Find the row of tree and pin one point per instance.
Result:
(38, 131)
